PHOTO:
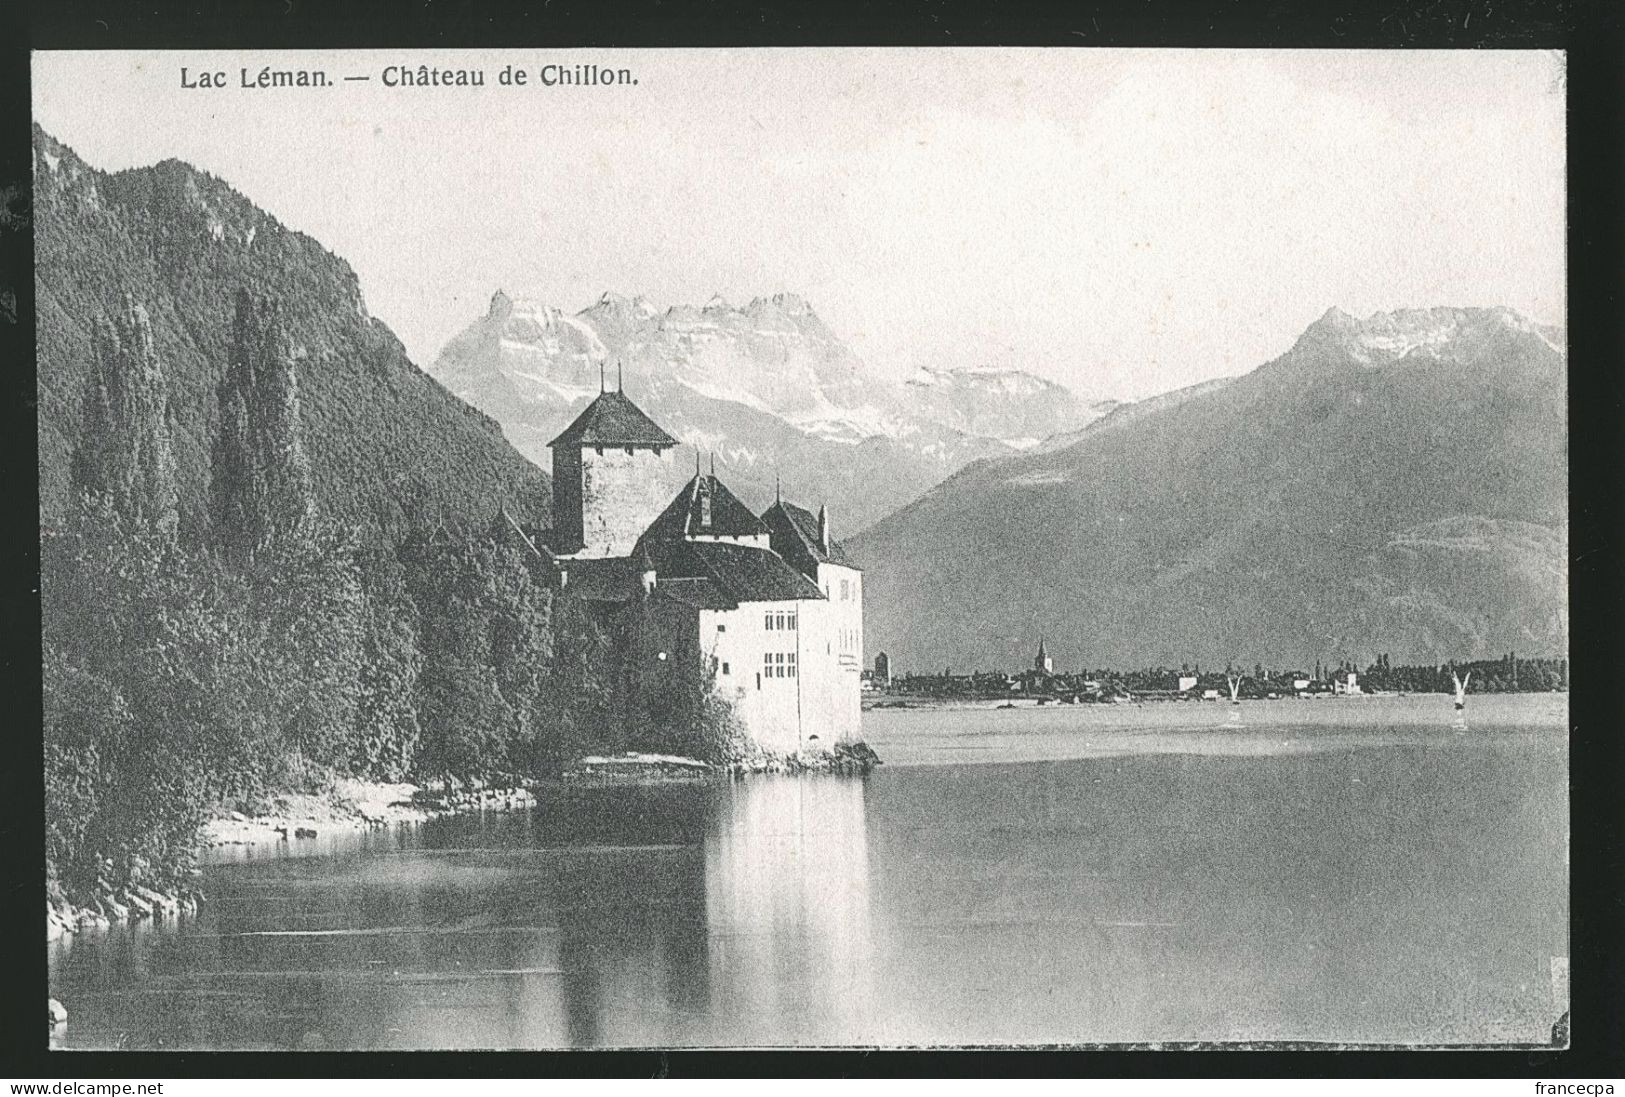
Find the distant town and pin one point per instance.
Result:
(1511, 673)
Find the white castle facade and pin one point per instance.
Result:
(770, 606)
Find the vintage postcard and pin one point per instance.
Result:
(767, 548)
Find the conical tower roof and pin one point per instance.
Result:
(613, 420)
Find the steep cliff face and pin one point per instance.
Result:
(1394, 484)
(766, 386)
(388, 445)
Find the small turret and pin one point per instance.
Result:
(702, 490)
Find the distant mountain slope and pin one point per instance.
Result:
(1397, 484)
(767, 387)
(1010, 405)
(379, 431)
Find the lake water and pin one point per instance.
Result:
(1348, 870)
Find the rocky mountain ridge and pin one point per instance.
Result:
(1394, 484)
(766, 386)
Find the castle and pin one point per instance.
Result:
(697, 584)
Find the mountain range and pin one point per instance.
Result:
(767, 388)
(1395, 485)
(388, 445)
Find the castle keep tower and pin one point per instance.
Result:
(610, 468)
(697, 591)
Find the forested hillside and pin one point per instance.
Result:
(274, 554)
(389, 447)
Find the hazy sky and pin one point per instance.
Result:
(1123, 221)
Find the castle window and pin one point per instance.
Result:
(845, 589)
(792, 620)
(767, 621)
(791, 664)
(725, 666)
(722, 628)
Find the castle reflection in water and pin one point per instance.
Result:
(757, 935)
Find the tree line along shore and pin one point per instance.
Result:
(265, 658)
(1510, 673)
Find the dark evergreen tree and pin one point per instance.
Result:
(300, 569)
(261, 484)
(577, 702)
(387, 728)
(125, 455)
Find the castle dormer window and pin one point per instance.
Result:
(599, 450)
(629, 451)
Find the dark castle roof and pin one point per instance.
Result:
(698, 593)
(682, 516)
(610, 579)
(613, 420)
(702, 574)
(795, 535)
(742, 572)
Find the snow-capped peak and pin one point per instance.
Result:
(1385, 337)
(988, 379)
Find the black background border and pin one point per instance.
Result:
(1592, 34)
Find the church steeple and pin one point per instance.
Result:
(1042, 661)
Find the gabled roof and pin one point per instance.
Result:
(613, 420)
(701, 574)
(740, 573)
(795, 536)
(749, 574)
(698, 593)
(683, 515)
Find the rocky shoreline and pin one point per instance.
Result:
(349, 806)
(353, 805)
(635, 768)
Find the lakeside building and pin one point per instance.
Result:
(697, 585)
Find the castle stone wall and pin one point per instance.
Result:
(621, 494)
